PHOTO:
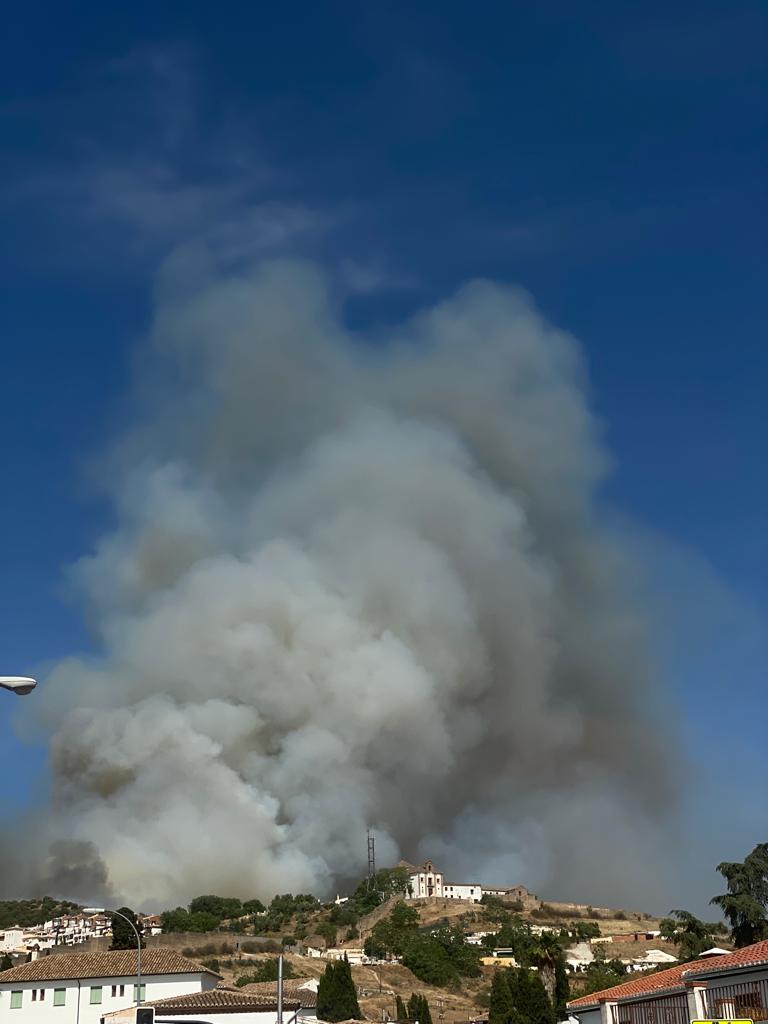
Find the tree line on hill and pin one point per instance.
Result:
(28, 913)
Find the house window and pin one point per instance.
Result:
(34, 995)
(95, 994)
(118, 990)
(16, 1000)
(59, 996)
(139, 993)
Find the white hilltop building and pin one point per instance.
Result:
(425, 881)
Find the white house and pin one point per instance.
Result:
(80, 988)
(472, 892)
(72, 929)
(215, 1006)
(652, 958)
(12, 939)
(730, 986)
(355, 955)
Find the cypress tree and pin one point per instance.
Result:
(418, 1009)
(501, 1005)
(400, 1012)
(326, 994)
(529, 997)
(562, 988)
(349, 1008)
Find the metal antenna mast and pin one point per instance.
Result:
(371, 854)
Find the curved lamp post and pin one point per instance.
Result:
(116, 913)
(20, 685)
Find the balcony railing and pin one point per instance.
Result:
(745, 1000)
(665, 1010)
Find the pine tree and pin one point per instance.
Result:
(400, 1012)
(745, 905)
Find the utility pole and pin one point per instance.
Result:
(280, 989)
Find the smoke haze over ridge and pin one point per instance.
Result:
(355, 582)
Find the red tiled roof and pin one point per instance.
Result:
(220, 1000)
(114, 963)
(748, 956)
(291, 990)
(661, 981)
(214, 1000)
(676, 977)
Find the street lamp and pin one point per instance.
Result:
(116, 913)
(20, 685)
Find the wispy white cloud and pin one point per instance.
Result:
(144, 173)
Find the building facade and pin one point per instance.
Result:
(80, 988)
(425, 881)
(472, 892)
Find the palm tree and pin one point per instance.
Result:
(545, 954)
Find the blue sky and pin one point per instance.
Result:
(610, 159)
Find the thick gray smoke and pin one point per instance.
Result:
(356, 581)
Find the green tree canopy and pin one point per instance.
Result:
(514, 934)
(327, 931)
(401, 1014)
(429, 961)
(253, 907)
(691, 935)
(123, 936)
(385, 884)
(266, 970)
(602, 974)
(745, 904)
(180, 920)
(218, 906)
(393, 933)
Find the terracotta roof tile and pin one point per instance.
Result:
(115, 963)
(221, 1000)
(747, 956)
(291, 990)
(661, 981)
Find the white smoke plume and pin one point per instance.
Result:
(355, 581)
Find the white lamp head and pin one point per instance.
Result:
(20, 685)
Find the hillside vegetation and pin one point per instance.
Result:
(31, 912)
